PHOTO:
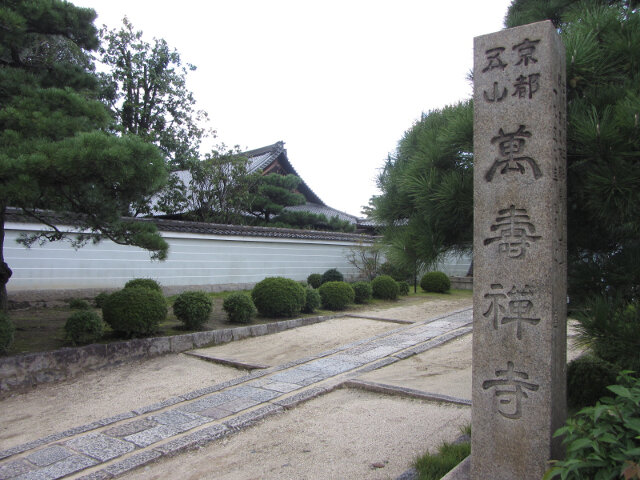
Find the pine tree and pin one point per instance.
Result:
(426, 202)
(602, 41)
(54, 152)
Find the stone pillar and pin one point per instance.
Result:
(519, 300)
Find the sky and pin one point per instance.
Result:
(339, 81)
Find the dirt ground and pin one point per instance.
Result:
(52, 408)
(446, 369)
(339, 435)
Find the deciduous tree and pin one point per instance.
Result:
(217, 188)
(145, 88)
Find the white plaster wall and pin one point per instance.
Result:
(194, 259)
(454, 264)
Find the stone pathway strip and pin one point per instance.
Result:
(107, 448)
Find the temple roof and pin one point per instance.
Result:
(266, 157)
(274, 159)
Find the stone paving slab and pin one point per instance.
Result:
(129, 440)
(15, 468)
(249, 418)
(49, 455)
(132, 462)
(60, 469)
(99, 446)
(199, 438)
(130, 428)
(260, 394)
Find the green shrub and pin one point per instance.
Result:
(7, 330)
(100, 299)
(315, 280)
(84, 326)
(143, 283)
(239, 307)
(332, 275)
(385, 288)
(403, 288)
(278, 297)
(435, 282)
(79, 304)
(602, 441)
(336, 295)
(397, 273)
(611, 328)
(312, 300)
(135, 311)
(363, 291)
(192, 309)
(587, 380)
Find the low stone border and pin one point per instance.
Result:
(404, 392)
(390, 320)
(227, 361)
(461, 472)
(462, 283)
(20, 372)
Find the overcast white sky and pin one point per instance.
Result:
(339, 81)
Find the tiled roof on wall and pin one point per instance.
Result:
(164, 225)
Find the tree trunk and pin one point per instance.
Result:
(5, 271)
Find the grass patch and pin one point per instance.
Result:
(436, 466)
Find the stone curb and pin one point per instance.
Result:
(461, 472)
(228, 361)
(390, 320)
(405, 392)
(20, 372)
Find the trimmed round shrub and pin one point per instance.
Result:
(192, 309)
(84, 326)
(143, 283)
(239, 307)
(385, 288)
(332, 275)
(100, 299)
(336, 295)
(435, 282)
(7, 330)
(278, 297)
(403, 288)
(363, 292)
(312, 300)
(315, 280)
(135, 311)
(79, 304)
(587, 380)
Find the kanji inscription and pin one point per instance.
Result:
(511, 147)
(512, 306)
(525, 84)
(510, 387)
(515, 232)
